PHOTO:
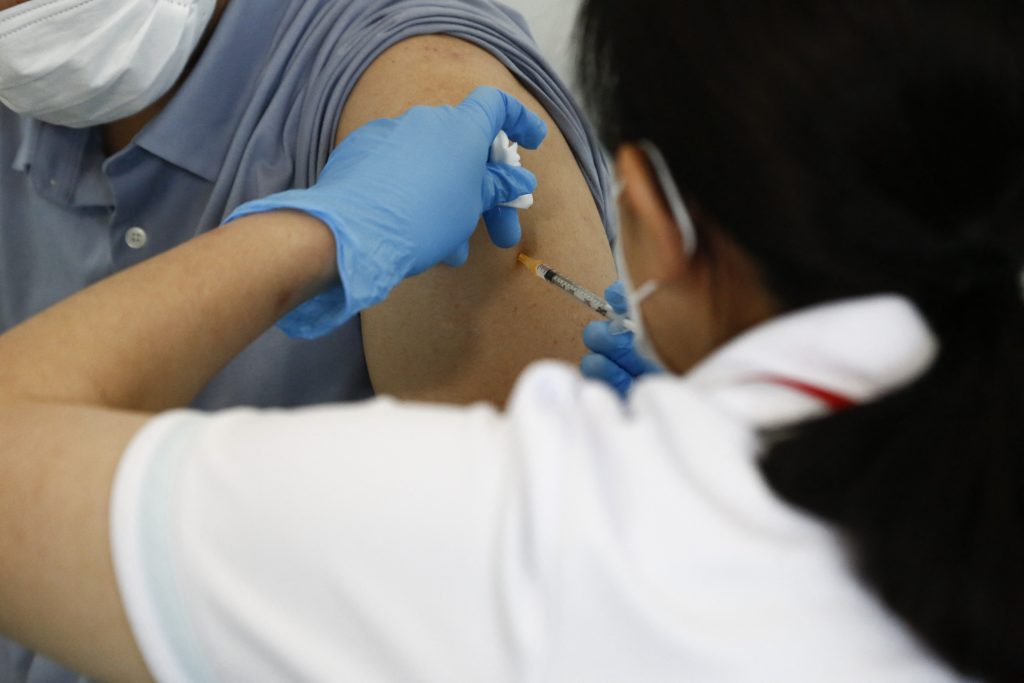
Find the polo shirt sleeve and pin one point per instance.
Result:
(339, 40)
(379, 541)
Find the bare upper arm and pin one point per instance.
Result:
(465, 334)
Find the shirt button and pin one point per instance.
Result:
(136, 238)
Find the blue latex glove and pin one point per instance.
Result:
(614, 361)
(402, 195)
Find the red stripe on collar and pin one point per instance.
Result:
(835, 401)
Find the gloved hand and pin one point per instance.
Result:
(614, 361)
(401, 195)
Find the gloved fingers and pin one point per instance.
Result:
(616, 296)
(459, 256)
(503, 112)
(503, 226)
(597, 367)
(503, 183)
(616, 346)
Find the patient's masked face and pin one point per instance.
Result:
(81, 63)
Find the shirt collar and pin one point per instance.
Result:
(859, 348)
(59, 162)
(194, 131)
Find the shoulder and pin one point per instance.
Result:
(656, 510)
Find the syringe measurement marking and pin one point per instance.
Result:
(589, 298)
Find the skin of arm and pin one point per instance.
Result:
(462, 335)
(145, 340)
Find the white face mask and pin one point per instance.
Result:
(635, 296)
(81, 63)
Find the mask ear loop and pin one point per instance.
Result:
(644, 291)
(671, 191)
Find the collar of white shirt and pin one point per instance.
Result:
(860, 349)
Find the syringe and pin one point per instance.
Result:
(579, 292)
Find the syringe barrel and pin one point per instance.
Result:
(592, 300)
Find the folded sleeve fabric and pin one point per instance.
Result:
(322, 48)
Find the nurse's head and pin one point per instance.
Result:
(828, 150)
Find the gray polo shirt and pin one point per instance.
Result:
(257, 115)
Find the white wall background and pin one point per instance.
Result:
(552, 23)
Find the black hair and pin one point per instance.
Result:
(853, 147)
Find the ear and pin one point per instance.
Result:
(643, 198)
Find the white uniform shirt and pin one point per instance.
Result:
(573, 538)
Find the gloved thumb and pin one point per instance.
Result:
(503, 183)
(497, 111)
(503, 226)
(616, 296)
(597, 367)
(616, 347)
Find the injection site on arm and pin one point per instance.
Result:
(496, 320)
